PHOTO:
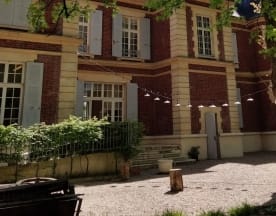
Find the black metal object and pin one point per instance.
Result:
(39, 196)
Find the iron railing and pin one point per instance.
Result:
(116, 136)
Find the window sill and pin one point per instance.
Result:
(130, 59)
(85, 54)
(206, 57)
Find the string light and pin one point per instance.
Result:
(250, 99)
(167, 100)
(156, 99)
(212, 106)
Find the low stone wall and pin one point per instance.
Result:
(252, 142)
(85, 165)
(231, 145)
(269, 141)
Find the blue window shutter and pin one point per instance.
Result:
(96, 28)
(32, 93)
(6, 13)
(20, 13)
(145, 38)
(79, 98)
(132, 101)
(117, 35)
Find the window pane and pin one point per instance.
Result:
(87, 90)
(2, 70)
(133, 24)
(130, 38)
(118, 91)
(118, 111)
(107, 111)
(106, 101)
(107, 90)
(96, 109)
(97, 90)
(199, 21)
(206, 23)
(12, 102)
(15, 73)
(204, 36)
(83, 33)
(125, 23)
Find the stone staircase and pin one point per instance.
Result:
(151, 153)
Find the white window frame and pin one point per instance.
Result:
(84, 22)
(129, 31)
(203, 31)
(113, 100)
(5, 85)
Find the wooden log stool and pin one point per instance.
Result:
(176, 180)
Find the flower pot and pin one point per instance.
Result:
(164, 165)
(125, 170)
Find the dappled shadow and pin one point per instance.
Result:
(202, 166)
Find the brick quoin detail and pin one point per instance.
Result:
(190, 33)
(206, 89)
(50, 90)
(30, 45)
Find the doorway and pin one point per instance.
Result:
(213, 150)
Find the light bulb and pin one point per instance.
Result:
(157, 99)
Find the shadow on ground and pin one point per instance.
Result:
(202, 166)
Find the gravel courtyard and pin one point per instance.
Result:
(210, 184)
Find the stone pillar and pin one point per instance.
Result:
(232, 97)
(181, 95)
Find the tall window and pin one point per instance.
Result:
(83, 34)
(130, 37)
(104, 100)
(204, 36)
(11, 77)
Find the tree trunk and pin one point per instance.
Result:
(176, 180)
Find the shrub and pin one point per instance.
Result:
(213, 213)
(172, 213)
(243, 210)
(13, 142)
(72, 136)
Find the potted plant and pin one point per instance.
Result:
(129, 146)
(194, 152)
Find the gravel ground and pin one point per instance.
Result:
(210, 184)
